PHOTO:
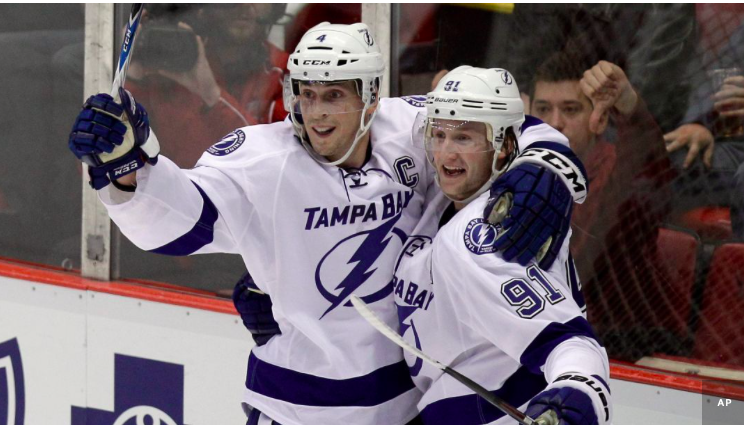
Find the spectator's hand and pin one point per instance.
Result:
(729, 101)
(607, 86)
(199, 80)
(696, 138)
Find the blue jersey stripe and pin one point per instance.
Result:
(471, 409)
(294, 387)
(529, 121)
(535, 355)
(200, 235)
(573, 279)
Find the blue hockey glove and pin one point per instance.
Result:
(534, 207)
(572, 399)
(562, 406)
(255, 309)
(113, 139)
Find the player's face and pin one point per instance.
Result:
(462, 156)
(564, 107)
(331, 113)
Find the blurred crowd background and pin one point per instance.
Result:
(659, 244)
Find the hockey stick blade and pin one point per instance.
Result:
(392, 335)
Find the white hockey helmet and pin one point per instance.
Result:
(329, 53)
(469, 94)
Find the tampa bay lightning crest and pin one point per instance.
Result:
(228, 144)
(480, 236)
(12, 395)
(353, 262)
(367, 37)
(508, 80)
(417, 101)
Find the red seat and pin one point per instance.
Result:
(709, 222)
(645, 308)
(720, 334)
(677, 255)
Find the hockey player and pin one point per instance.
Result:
(518, 331)
(318, 206)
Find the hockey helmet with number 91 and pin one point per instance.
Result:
(331, 53)
(467, 94)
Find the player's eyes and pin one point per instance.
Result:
(335, 94)
(542, 110)
(307, 94)
(571, 110)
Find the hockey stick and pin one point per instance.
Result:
(151, 147)
(125, 56)
(392, 335)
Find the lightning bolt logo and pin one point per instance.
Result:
(366, 255)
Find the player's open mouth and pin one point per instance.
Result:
(452, 171)
(323, 131)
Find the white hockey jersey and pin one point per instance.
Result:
(310, 235)
(496, 322)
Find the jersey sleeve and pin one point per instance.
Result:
(582, 364)
(209, 208)
(174, 211)
(524, 311)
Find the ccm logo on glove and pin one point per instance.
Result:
(125, 169)
(562, 165)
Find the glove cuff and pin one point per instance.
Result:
(101, 176)
(560, 160)
(151, 147)
(593, 386)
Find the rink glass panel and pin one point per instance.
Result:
(41, 64)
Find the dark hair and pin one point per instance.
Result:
(560, 66)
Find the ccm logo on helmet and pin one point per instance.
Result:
(316, 62)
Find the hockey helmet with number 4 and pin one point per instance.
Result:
(331, 53)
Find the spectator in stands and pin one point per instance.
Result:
(709, 154)
(615, 230)
(206, 70)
